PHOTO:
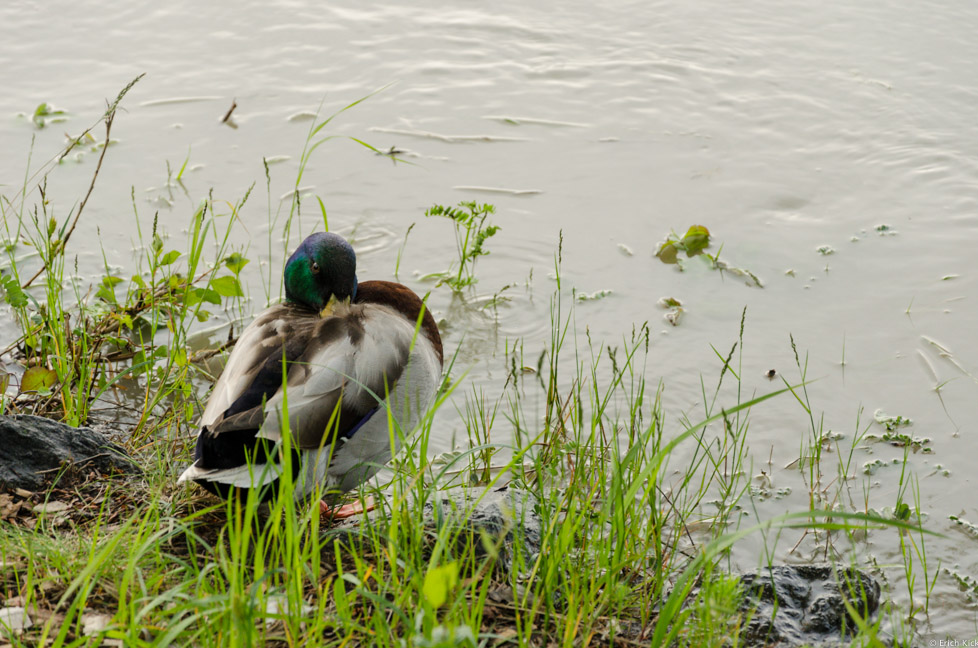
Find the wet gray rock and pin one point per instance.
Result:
(32, 449)
(508, 516)
(810, 603)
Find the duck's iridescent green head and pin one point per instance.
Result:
(322, 267)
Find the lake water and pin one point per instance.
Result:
(783, 127)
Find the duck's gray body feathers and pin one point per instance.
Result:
(344, 371)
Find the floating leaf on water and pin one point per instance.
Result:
(949, 277)
(598, 294)
(669, 302)
(825, 250)
(890, 422)
(673, 316)
(694, 241)
(38, 379)
(971, 528)
(885, 230)
(789, 272)
(667, 252)
(870, 467)
(900, 440)
(45, 113)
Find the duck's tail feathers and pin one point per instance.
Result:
(247, 476)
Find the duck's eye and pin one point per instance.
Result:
(315, 268)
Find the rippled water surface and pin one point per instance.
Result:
(781, 126)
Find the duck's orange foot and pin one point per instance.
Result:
(347, 510)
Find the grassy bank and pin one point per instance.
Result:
(638, 511)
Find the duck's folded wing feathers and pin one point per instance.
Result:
(340, 371)
(332, 389)
(262, 340)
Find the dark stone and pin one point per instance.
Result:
(795, 605)
(508, 516)
(32, 449)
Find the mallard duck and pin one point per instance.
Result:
(351, 352)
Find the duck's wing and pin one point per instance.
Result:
(235, 412)
(351, 365)
(339, 370)
(248, 367)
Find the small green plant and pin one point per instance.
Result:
(45, 113)
(471, 232)
(694, 244)
(76, 344)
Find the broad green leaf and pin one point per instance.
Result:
(106, 291)
(169, 257)
(438, 582)
(38, 379)
(13, 294)
(106, 295)
(180, 356)
(226, 286)
(696, 240)
(235, 262)
(197, 295)
(667, 252)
